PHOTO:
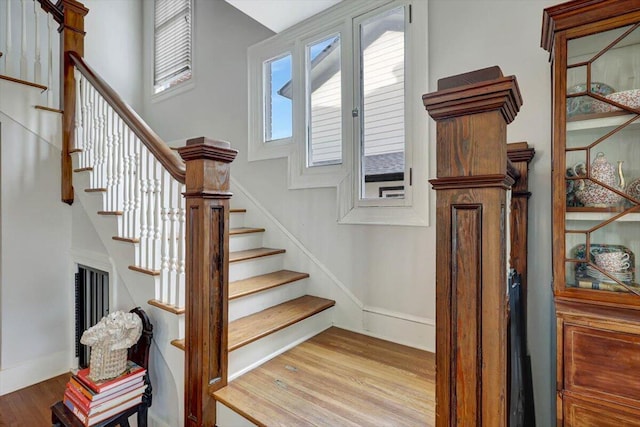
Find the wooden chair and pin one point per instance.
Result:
(139, 353)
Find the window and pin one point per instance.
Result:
(172, 43)
(350, 100)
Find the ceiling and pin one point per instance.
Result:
(278, 15)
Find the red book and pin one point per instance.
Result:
(132, 372)
(74, 404)
(89, 420)
(91, 408)
(92, 396)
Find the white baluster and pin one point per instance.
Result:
(157, 195)
(144, 205)
(135, 189)
(173, 239)
(119, 168)
(78, 142)
(126, 177)
(37, 66)
(109, 159)
(8, 54)
(50, 34)
(165, 215)
(23, 44)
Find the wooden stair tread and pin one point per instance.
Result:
(248, 329)
(166, 307)
(126, 239)
(253, 253)
(338, 378)
(256, 284)
(87, 169)
(244, 230)
(107, 213)
(45, 108)
(144, 270)
(178, 343)
(237, 210)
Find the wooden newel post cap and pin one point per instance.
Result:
(202, 148)
(475, 92)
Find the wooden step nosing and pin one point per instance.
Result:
(126, 239)
(166, 307)
(144, 270)
(244, 230)
(236, 409)
(75, 150)
(45, 108)
(110, 213)
(87, 169)
(180, 344)
(95, 190)
(281, 326)
(293, 278)
(265, 253)
(23, 82)
(237, 211)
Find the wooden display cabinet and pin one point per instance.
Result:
(594, 50)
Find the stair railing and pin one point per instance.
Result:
(183, 240)
(28, 45)
(142, 178)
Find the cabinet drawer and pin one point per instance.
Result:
(578, 413)
(602, 363)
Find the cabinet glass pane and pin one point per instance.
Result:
(602, 158)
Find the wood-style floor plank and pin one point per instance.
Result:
(338, 378)
(29, 407)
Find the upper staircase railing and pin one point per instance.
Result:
(29, 47)
(183, 240)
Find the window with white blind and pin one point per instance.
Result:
(172, 43)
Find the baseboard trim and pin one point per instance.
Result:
(405, 329)
(34, 371)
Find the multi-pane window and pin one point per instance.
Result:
(172, 43)
(337, 96)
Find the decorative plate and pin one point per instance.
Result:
(578, 252)
(587, 104)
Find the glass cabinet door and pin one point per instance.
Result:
(602, 160)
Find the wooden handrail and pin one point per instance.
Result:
(160, 150)
(54, 9)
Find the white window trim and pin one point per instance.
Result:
(183, 86)
(413, 209)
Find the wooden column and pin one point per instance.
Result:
(71, 40)
(472, 112)
(207, 275)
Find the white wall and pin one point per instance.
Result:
(390, 269)
(36, 287)
(113, 45)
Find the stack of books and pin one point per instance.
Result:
(93, 402)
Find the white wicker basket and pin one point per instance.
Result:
(109, 340)
(105, 363)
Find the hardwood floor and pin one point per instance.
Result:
(339, 378)
(29, 407)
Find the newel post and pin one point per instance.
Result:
(71, 40)
(207, 275)
(472, 112)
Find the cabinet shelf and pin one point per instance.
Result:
(601, 121)
(601, 216)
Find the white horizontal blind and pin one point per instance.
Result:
(172, 47)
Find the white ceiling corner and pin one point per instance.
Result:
(278, 15)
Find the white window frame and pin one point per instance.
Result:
(176, 87)
(343, 19)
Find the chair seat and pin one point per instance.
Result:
(62, 416)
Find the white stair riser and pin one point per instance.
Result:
(226, 417)
(252, 355)
(243, 242)
(236, 219)
(250, 304)
(254, 267)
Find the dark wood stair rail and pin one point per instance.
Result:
(206, 176)
(471, 113)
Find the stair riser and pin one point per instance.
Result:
(254, 267)
(236, 219)
(257, 302)
(249, 356)
(226, 417)
(243, 242)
